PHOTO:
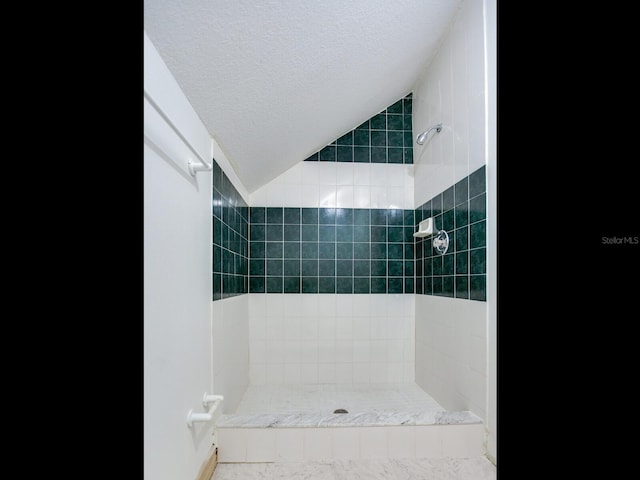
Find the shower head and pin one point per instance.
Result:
(423, 136)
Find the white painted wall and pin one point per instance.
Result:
(341, 185)
(456, 339)
(324, 338)
(177, 282)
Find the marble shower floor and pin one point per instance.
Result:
(476, 468)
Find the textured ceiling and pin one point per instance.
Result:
(276, 80)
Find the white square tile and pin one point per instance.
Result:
(344, 173)
(275, 374)
(310, 196)
(257, 328)
(373, 442)
(462, 440)
(309, 351)
(257, 305)
(345, 443)
(291, 195)
(275, 305)
(377, 372)
(232, 444)
(327, 173)
(343, 352)
(309, 373)
(275, 328)
(310, 173)
(362, 174)
(395, 175)
(361, 197)
(317, 443)
(327, 195)
(401, 442)
(292, 328)
(408, 372)
(361, 351)
(327, 327)
(395, 197)
(344, 328)
(361, 328)
(344, 196)
(326, 351)
(361, 304)
(308, 328)
(428, 441)
(378, 197)
(292, 373)
(260, 196)
(261, 445)
(258, 351)
(394, 350)
(292, 351)
(379, 174)
(326, 373)
(289, 444)
(344, 373)
(344, 305)
(326, 306)
(275, 351)
(394, 372)
(309, 305)
(257, 374)
(361, 373)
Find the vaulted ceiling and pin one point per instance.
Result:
(276, 80)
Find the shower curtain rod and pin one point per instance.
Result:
(193, 169)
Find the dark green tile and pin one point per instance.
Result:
(477, 182)
(436, 265)
(448, 286)
(274, 215)
(379, 268)
(309, 250)
(292, 216)
(409, 268)
(361, 285)
(361, 216)
(217, 259)
(344, 233)
(309, 284)
(436, 205)
(292, 233)
(326, 268)
(361, 137)
(478, 208)
(378, 285)
(361, 155)
(378, 139)
(345, 154)
(396, 107)
(216, 176)
(379, 216)
(309, 233)
(258, 233)
(344, 251)
(395, 139)
(448, 262)
(326, 284)
(275, 250)
(217, 287)
(309, 268)
(462, 286)
(227, 261)
(217, 231)
(437, 286)
(477, 234)
(256, 284)
(292, 268)
(420, 267)
(462, 235)
(408, 217)
(327, 233)
(448, 220)
(344, 268)
(395, 285)
(478, 287)
(256, 267)
(438, 223)
(361, 268)
(274, 233)
(257, 215)
(461, 214)
(312, 158)
(346, 139)
(274, 284)
(407, 123)
(395, 122)
(395, 217)
(310, 216)
(362, 233)
(328, 154)
(477, 260)
(361, 251)
(344, 285)
(418, 286)
(327, 216)
(291, 284)
(408, 285)
(327, 250)
(408, 154)
(257, 249)
(427, 285)
(378, 154)
(344, 216)
(408, 234)
(395, 251)
(462, 262)
(379, 122)
(394, 268)
(379, 251)
(274, 268)
(407, 105)
(461, 191)
(409, 249)
(378, 234)
(447, 199)
(395, 234)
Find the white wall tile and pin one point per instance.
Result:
(361, 328)
(327, 306)
(378, 197)
(326, 351)
(327, 173)
(428, 441)
(258, 374)
(310, 197)
(395, 197)
(309, 351)
(275, 374)
(275, 305)
(401, 442)
(343, 351)
(362, 174)
(261, 445)
(327, 328)
(345, 443)
(326, 373)
(379, 174)
(345, 196)
(361, 351)
(344, 372)
(309, 373)
(361, 373)
(309, 305)
(289, 444)
(344, 327)
(232, 444)
(308, 327)
(362, 197)
(373, 443)
(310, 173)
(317, 443)
(344, 174)
(292, 373)
(327, 196)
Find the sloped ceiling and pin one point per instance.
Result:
(276, 80)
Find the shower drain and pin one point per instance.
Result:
(340, 410)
